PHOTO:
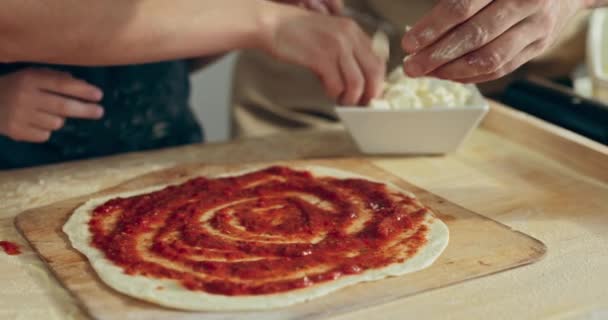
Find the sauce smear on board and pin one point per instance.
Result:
(10, 248)
(264, 232)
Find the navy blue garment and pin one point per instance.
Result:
(146, 107)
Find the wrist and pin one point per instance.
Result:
(269, 17)
(266, 16)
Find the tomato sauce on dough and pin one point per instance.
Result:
(264, 232)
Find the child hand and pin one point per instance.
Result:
(36, 102)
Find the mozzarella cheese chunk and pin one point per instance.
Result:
(403, 92)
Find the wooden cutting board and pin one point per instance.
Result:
(478, 246)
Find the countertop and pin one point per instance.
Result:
(571, 282)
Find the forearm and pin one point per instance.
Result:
(109, 32)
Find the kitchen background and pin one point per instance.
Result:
(211, 98)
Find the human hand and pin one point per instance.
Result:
(36, 102)
(481, 40)
(334, 48)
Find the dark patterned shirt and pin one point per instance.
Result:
(146, 107)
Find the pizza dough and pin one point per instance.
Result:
(171, 293)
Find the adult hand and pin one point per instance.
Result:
(480, 40)
(335, 48)
(36, 102)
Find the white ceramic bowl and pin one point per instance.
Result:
(436, 130)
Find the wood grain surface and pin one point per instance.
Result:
(525, 173)
(478, 246)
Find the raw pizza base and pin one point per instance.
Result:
(174, 295)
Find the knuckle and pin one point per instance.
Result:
(318, 66)
(477, 34)
(340, 44)
(462, 9)
(64, 107)
(490, 62)
(426, 36)
(332, 45)
(348, 25)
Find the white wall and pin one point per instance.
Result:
(211, 97)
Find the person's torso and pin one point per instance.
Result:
(145, 107)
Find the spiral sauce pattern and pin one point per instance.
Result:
(264, 232)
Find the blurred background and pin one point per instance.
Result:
(211, 98)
